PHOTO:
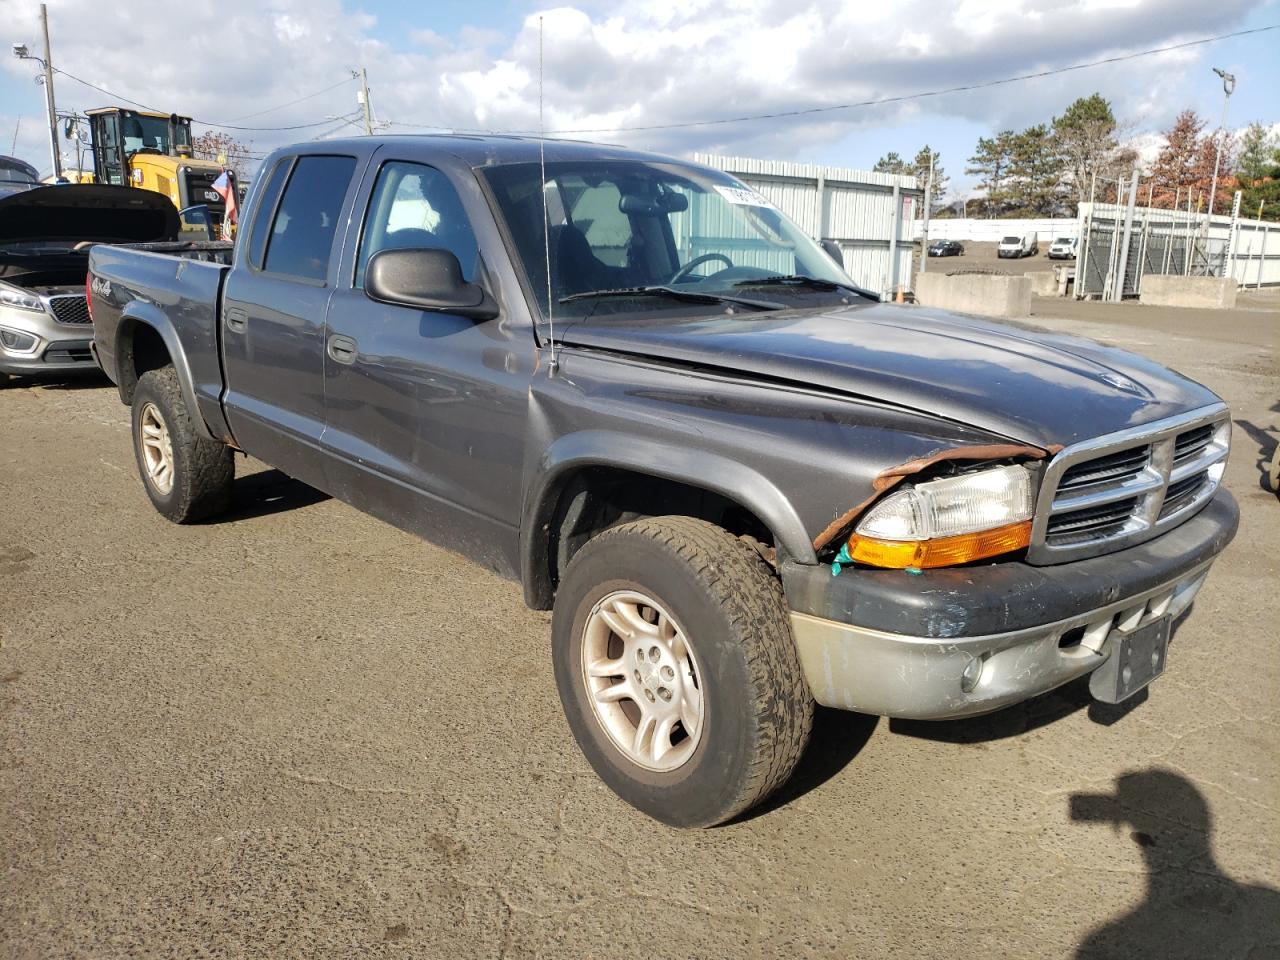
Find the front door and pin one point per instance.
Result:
(426, 411)
(273, 311)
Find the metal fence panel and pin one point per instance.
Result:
(1172, 242)
(868, 214)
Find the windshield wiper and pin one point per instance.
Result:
(658, 290)
(801, 280)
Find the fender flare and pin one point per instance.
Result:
(138, 313)
(730, 478)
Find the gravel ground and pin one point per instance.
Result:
(301, 733)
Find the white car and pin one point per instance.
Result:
(1025, 246)
(1064, 248)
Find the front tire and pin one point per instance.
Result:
(187, 476)
(677, 670)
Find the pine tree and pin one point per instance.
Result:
(1085, 139)
(1035, 173)
(920, 167)
(891, 163)
(1258, 152)
(990, 164)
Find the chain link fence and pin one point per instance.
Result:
(1169, 242)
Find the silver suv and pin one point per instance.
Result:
(45, 326)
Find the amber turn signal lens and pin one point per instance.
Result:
(942, 552)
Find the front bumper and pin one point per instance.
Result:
(890, 643)
(59, 348)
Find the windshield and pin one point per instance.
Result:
(140, 132)
(627, 225)
(1063, 240)
(1011, 240)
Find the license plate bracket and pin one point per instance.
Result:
(1137, 657)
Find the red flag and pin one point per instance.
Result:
(225, 187)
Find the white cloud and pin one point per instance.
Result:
(612, 64)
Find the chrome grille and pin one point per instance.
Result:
(71, 308)
(1116, 491)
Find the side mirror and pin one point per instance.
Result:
(427, 279)
(833, 251)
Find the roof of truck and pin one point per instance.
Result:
(490, 149)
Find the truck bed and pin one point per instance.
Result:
(176, 288)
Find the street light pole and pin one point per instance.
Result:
(22, 53)
(1228, 87)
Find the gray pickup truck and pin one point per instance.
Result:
(742, 483)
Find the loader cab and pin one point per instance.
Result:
(119, 135)
(153, 151)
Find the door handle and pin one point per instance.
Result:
(342, 349)
(237, 320)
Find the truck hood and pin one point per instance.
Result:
(1023, 384)
(87, 211)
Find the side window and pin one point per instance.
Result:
(266, 205)
(415, 206)
(303, 230)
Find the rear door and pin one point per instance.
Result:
(426, 410)
(273, 313)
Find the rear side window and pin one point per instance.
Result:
(266, 205)
(304, 226)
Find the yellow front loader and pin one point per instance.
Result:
(152, 151)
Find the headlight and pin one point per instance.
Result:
(944, 522)
(14, 297)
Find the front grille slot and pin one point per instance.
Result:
(1091, 522)
(1113, 468)
(1191, 444)
(73, 308)
(1181, 493)
(1117, 491)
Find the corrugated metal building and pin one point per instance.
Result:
(868, 214)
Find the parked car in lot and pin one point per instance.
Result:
(741, 483)
(946, 248)
(1064, 248)
(16, 176)
(44, 316)
(1024, 246)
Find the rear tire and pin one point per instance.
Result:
(187, 475)
(704, 646)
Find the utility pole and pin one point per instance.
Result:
(924, 231)
(1228, 87)
(48, 95)
(364, 102)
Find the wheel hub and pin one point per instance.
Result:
(643, 681)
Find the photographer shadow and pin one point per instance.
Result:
(1191, 907)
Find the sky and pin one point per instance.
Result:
(610, 65)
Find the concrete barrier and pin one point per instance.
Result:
(986, 294)
(1215, 293)
(1044, 283)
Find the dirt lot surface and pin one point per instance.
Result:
(301, 733)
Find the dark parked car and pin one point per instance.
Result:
(17, 175)
(742, 483)
(946, 248)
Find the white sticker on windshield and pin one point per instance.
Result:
(743, 196)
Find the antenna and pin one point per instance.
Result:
(546, 221)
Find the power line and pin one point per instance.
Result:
(309, 96)
(205, 123)
(901, 98)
